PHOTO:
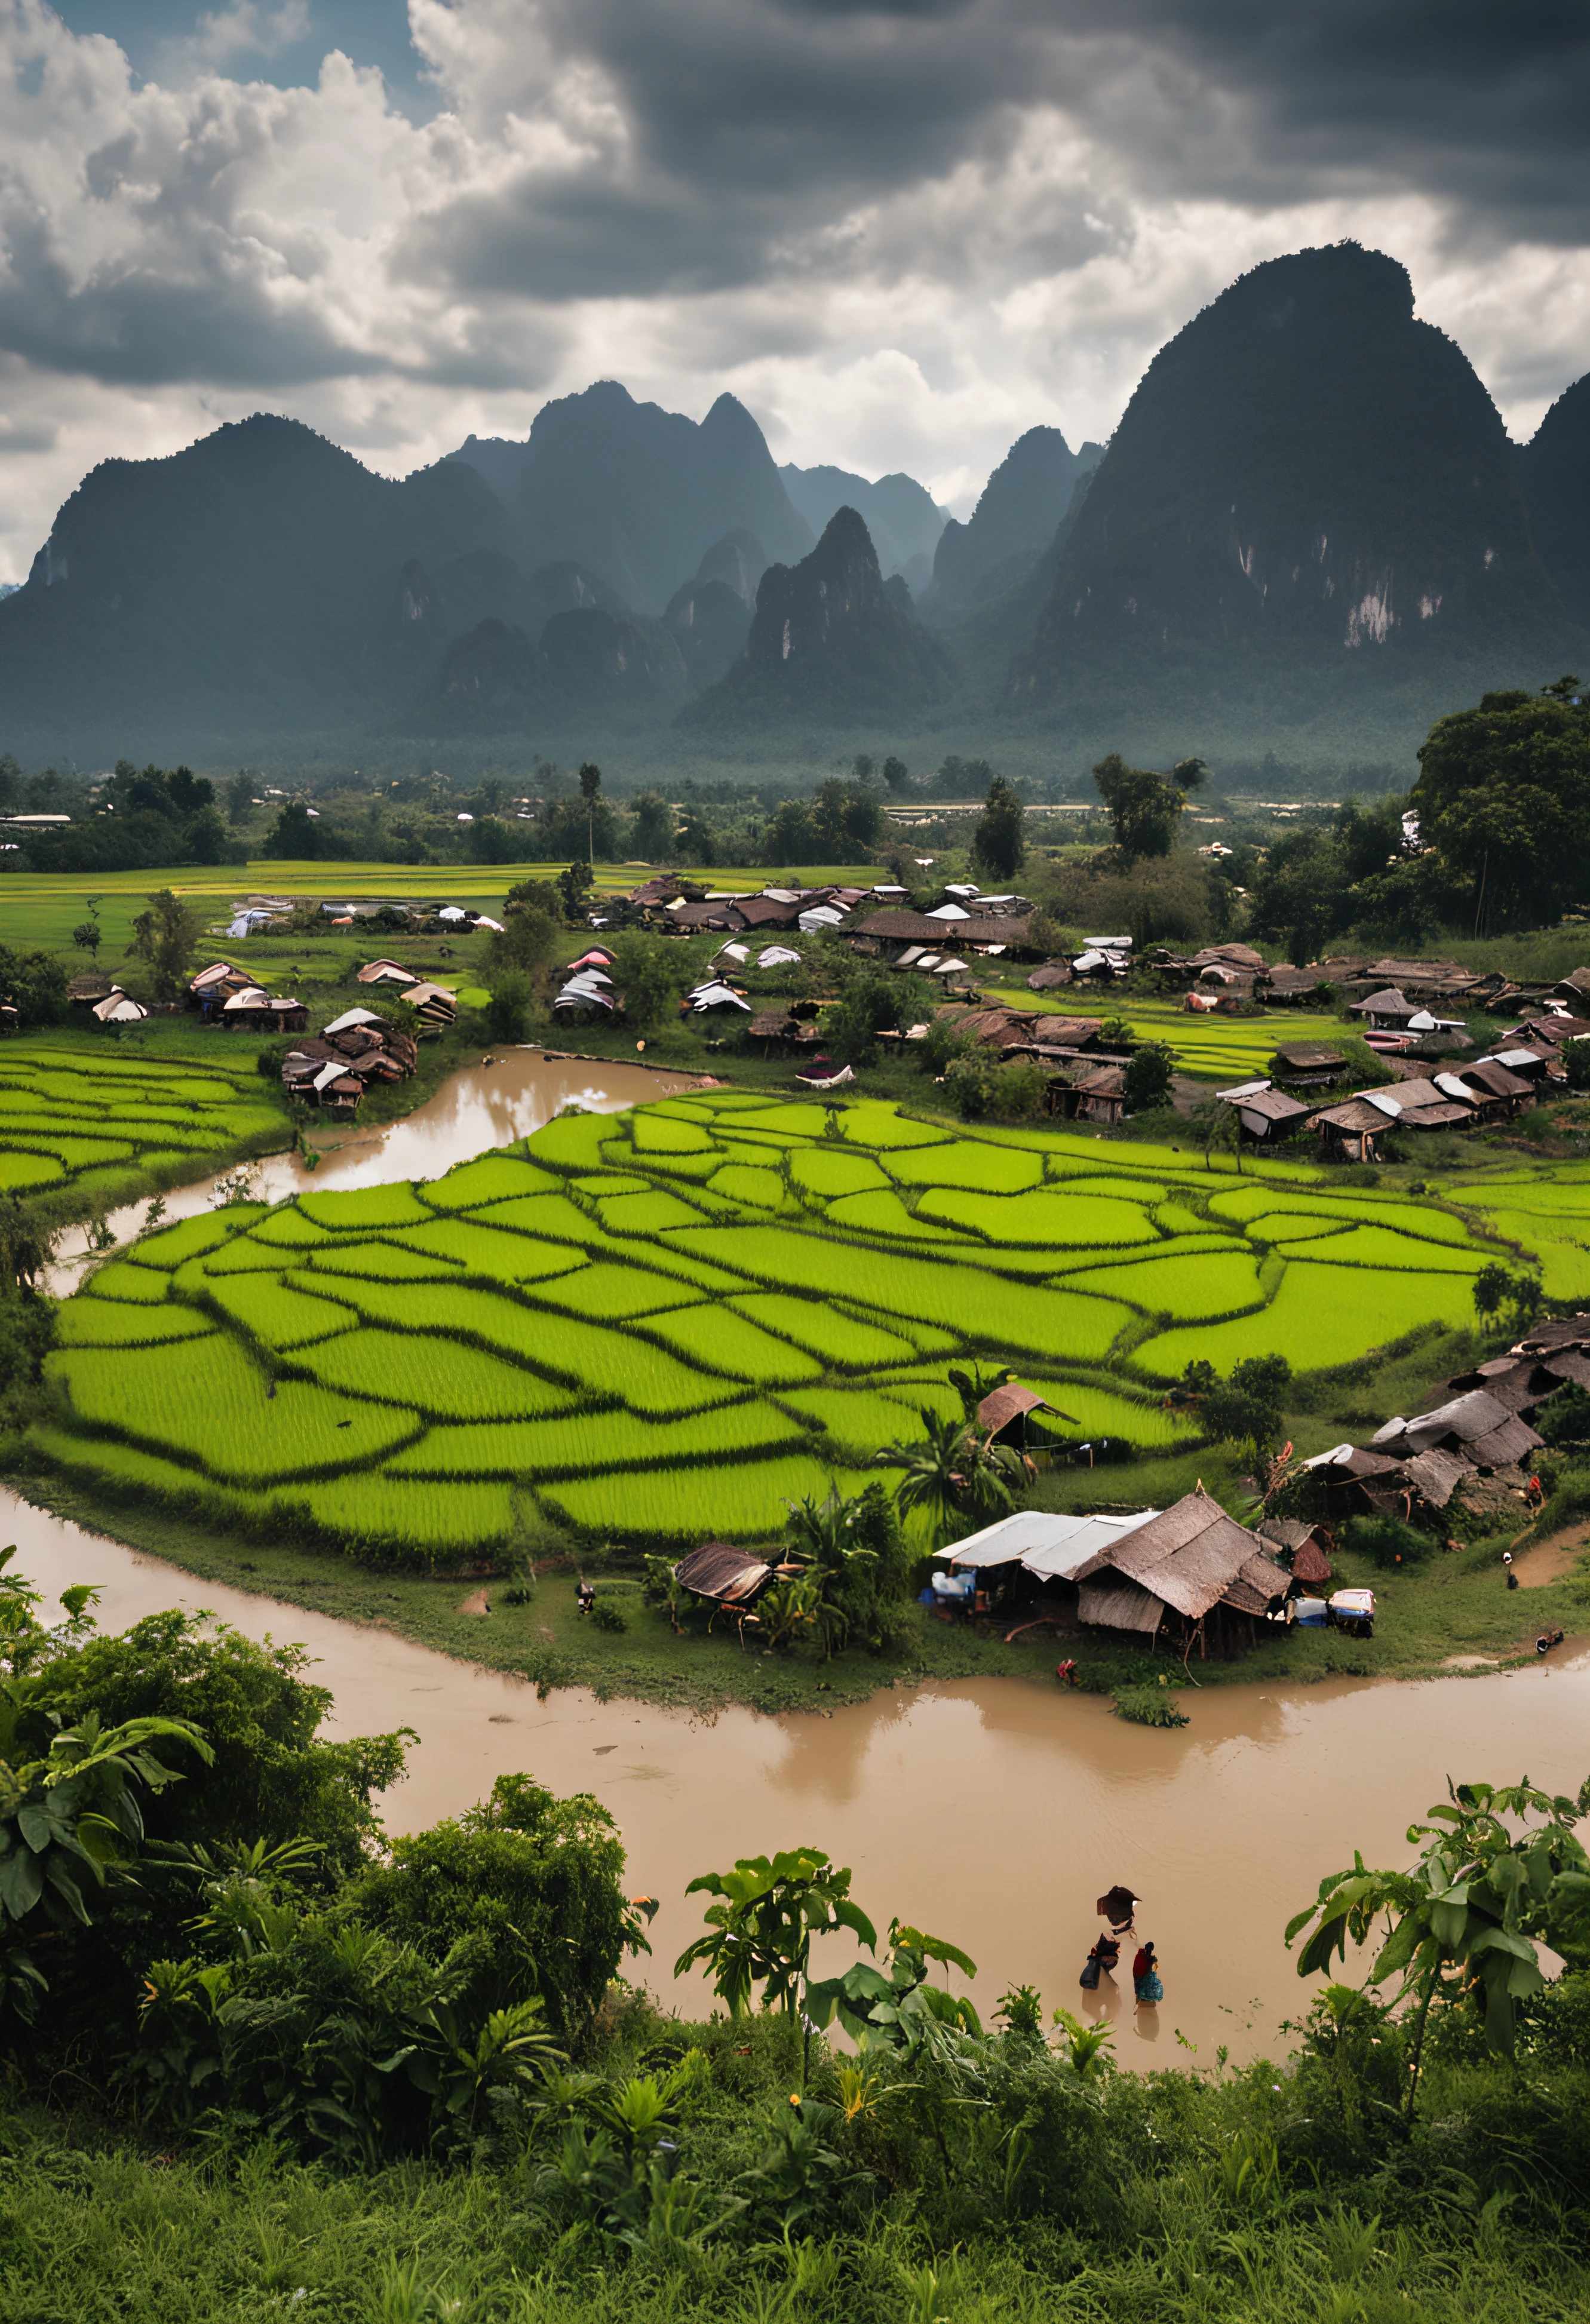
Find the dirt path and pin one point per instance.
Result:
(1549, 1560)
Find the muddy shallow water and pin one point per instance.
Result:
(478, 1107)
(993, 1812)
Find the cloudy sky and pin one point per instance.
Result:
(901, 231)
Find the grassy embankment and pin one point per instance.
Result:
(1288, 2193)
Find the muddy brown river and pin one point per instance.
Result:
(993, 1812)
(479, 1106)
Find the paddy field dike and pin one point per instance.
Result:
(656, 1327)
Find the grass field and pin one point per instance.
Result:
(662, 1362)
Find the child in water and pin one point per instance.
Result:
(1145, 1975)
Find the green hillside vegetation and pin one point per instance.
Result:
(654, 1366)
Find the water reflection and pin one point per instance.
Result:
(993, 1812)
(478, 1107)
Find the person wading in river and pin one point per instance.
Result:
(1145, 1975)
(1100, 1962)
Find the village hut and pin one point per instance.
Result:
(1267, 1114)
(1307, 1066)
(1191, 1569)
(119, 1008)
(1303, 1549)
(438, 1007)
(85, 991)
(385, 972)
(1388, 1010)
(1477, 1426)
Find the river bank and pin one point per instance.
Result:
(991, 1810)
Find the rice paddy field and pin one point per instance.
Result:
(103, 1126)
(656, 1327)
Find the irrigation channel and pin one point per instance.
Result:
(993, 1811)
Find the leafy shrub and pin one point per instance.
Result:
(1386, 1541)
(605, 1616)
(1150, 1706)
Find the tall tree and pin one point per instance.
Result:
(1503, 797)
(998, 847)
(590, 790)
(1144, 807)
(164, 937)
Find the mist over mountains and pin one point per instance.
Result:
(1310, 533)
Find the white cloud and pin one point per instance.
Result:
(901, 234)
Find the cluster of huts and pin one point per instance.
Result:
(434, 1005)
(1475, 1447)
(356, 1051)
(877, 922)
(253, 914)
(1189, 1578)
(1426, 1095)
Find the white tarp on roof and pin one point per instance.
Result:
(948, 912)
(779, 956)
(1046, 1544)
(821, 916)
(350, 1017)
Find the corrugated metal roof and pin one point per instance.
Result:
(1048, 1544)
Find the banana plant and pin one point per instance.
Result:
(1468, 1920)
(760, 1933)
(68, 1820)
(900, 2011)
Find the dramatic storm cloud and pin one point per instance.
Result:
(901, 232)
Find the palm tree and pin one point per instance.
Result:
(950, 1472)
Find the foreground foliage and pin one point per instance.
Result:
(401, 2083)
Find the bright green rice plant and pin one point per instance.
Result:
(382, 1262)
(608, 1292)
(499, 1254)
(1187, 1286)
(718, 1340)
(970, 1164)
(422, 1515)
(119, 1279)
(828, 1170)
(279, 1315)
(741, 1181)
(573, 1142)
(844, 1343)
(1321, 1315)
(493, 1178)
(645, 1215)
(190, 1238)
(588, 1443)
(113, 1324)
(353, 1210)
(418, 1373)
(1051, 1216)
(749, 1502)
(204, 1400)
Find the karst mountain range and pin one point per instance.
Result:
(1308, 535)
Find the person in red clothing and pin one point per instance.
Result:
(1145, 1974)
